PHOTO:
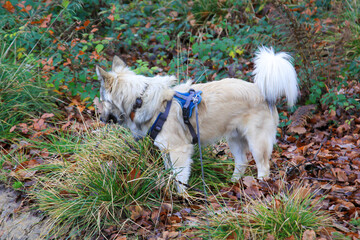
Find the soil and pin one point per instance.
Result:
(18, 222)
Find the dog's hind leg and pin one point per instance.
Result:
(181, 163)
(238, 147)
(261, 146)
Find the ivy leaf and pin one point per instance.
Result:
(99, 48)
(65, 3)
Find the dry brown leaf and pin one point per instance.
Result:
(249, 181)
(309, 235)
(136, 212)
(270, 237)
(47, 115)
(299, 119)
(297, 129)
(120, 238)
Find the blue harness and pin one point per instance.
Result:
(187, 102)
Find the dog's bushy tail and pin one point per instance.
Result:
(275, 76)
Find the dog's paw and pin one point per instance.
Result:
(235, 179)
(236, 176)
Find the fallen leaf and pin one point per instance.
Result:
(173, 234)
(309, 235)
(174, 219)
(8, 6)
(111, 17)
(166, 206)
(12, 128)
(270, 237)
(39, 124)
(297, 129)
(134, 174)
(249, 181)
(63, 127)
(24, 128)
(47, 115)
(136, 212)
(46, 21)
(120, 238)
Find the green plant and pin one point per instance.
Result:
(340, 236)
(205, 10)
(286, 214)
(355, 226)
(143, 68)
(17, 185)
(283, 214)
(223, 225)
(355, 222)
(59, 142)
(216, 172)
(22, 94)
(112, 172)
(352, 14)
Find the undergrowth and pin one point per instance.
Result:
(23, 95)
(110, 173)
(281, 215)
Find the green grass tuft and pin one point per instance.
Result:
(283, 215)
(22, 93)
(289, 213)
(111, 172)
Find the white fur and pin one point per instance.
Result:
(275, 76)
(230, 108)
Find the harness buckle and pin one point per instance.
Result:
(195, 99)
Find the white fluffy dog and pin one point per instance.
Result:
(242, 112)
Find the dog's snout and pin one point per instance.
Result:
(112, 118)
(102, 119)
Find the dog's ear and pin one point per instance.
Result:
(104, 77)
(117, 63)
(102, 74)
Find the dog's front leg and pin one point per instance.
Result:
(181, 162)
(167, 162)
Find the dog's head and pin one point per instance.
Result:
(111, 111)
(129, 99)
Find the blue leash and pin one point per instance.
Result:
(196, 101)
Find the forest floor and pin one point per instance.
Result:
(321, 153)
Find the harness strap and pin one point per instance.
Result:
(192, 132)
(187, 108)
(159, 122)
